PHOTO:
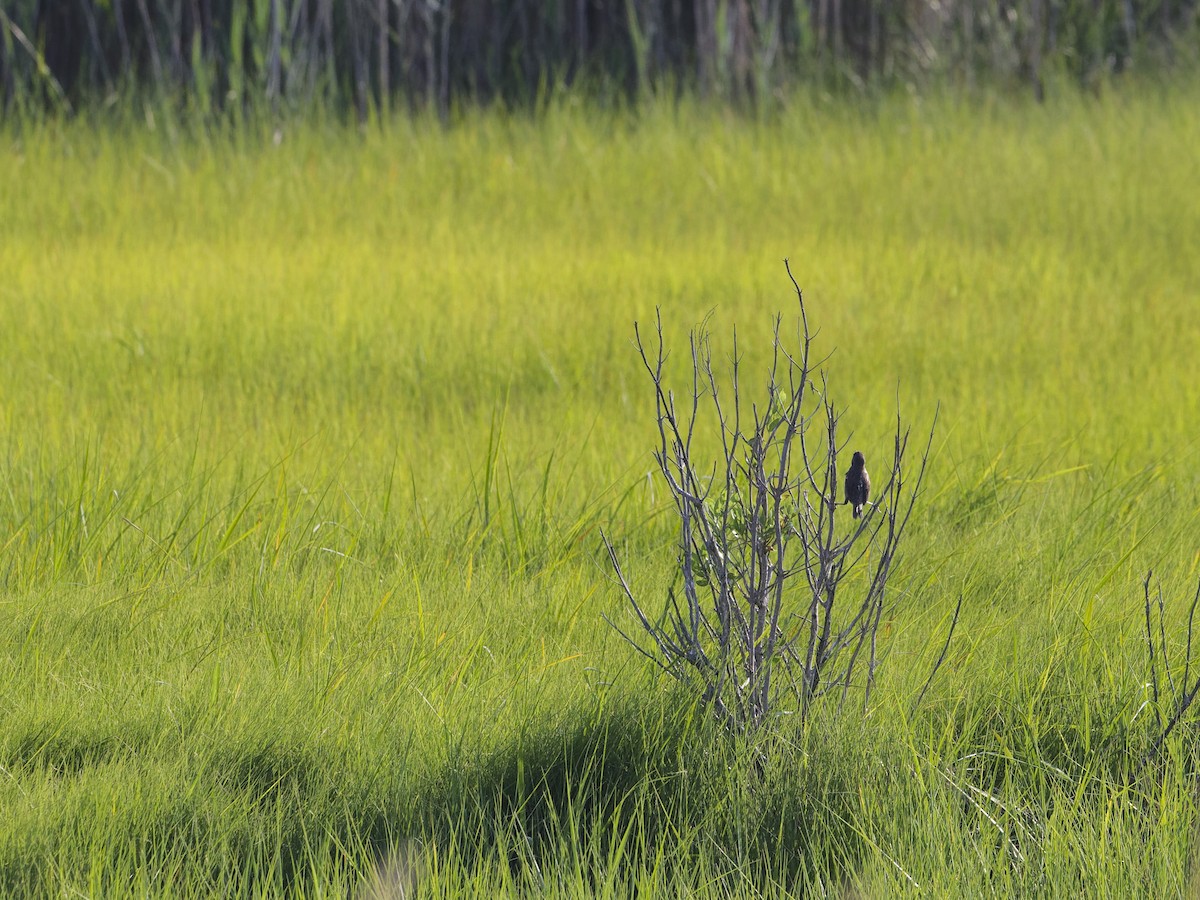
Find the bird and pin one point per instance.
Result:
(858, 483)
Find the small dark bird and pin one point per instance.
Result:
(858, 483)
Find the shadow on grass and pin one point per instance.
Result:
(65, 751)
(599, 799)
(652, 791)
(250, 817)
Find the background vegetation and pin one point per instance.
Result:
(222, 56)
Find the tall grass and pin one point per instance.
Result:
(306, 438)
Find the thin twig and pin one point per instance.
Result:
(941, 658)
(1150, 650)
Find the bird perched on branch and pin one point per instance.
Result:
(858, 483)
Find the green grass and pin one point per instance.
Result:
(306, 445)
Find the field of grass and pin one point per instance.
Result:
(306, 440)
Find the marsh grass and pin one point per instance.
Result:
(305, 447)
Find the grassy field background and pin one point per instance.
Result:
(308, 435)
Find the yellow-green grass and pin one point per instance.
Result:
(307, 438)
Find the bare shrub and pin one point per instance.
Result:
(777, 600)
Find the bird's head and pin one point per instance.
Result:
(858, 460)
